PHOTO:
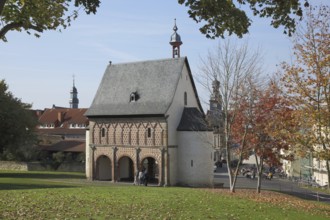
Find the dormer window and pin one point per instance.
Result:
(134, 97)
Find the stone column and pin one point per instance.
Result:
(114, 164)
(137, 159)
(92, 168)
(161, 167)
(166, 157)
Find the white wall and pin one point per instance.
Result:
(88, 156)
(173, 165)
(176, 108)
(320, 172)
(195, 158)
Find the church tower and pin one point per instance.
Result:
(74, 101)
(215, 120)
(175, 42)
(215, 105)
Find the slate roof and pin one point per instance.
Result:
(192, 120)
(155, 83)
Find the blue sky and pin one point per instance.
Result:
(40, 70)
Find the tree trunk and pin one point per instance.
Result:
(259, 171)
(328, 171)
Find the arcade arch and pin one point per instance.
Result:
(125, 169)
(152, 167)
(103, 168)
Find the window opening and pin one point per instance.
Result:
(185, 98)
(149, 132)
(103, 132)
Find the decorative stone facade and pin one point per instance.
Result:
(134, 139)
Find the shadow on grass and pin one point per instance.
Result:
(11, 186)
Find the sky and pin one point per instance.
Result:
(40, 71)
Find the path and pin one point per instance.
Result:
(276, 184)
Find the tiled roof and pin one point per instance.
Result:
(64, 117)
(66, 146)
(192, 120)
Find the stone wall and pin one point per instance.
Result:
(11, 165)
(36, 166)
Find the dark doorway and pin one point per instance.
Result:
(151, 165)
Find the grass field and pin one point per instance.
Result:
(51, 195)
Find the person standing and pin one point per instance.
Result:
(140, 177)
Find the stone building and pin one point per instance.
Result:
(148, 115)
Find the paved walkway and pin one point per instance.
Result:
(276, 184)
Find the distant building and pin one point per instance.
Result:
(62, 129)
(215, 119)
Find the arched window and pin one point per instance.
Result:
(185, 98)
(103, 132)
(149, 132)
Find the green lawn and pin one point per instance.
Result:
(50, 195)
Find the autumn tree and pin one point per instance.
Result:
(243, 121)
(231, 65)
(307, 81)
(270, 120)
(40, 15)
(17, 124)
(230, 15)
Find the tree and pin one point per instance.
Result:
(228, 15)
(268, 132)
(231, 65)
(307, 81)
(17, 125)
(40, 15)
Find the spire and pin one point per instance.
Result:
(73, 80)
(74, 101)
(175, 42)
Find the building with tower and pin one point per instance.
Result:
(147, 116)
(215, 119)
(74, 101)
(62, 129)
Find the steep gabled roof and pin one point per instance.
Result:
(152, 82)
(192, 120)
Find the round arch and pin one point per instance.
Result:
(125, 169)
(103, 168)
(152, 166)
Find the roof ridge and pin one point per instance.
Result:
(147, 61)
